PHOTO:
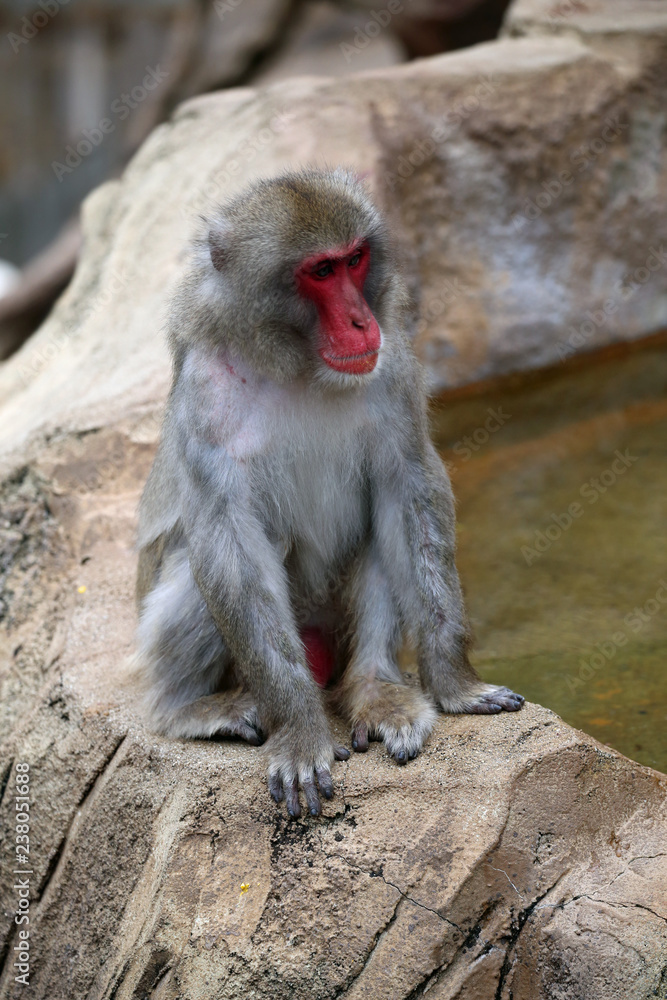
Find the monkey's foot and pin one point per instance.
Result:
(223, 715)
(240, 718)
(293, 767)
(487, 699)
(398, 715)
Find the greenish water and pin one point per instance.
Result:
(562, 497)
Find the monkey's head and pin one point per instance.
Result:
(295, 273)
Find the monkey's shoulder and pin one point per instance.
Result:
(222, 402)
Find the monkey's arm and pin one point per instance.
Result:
(414, 526)
(244, 585)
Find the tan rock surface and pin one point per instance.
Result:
(516, 858)
(623, 29)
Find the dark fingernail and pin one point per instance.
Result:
(328, 793)
(401, 757)
(354, 744)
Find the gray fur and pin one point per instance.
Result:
(284, 493)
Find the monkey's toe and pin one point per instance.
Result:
(405, 743)
(242, 730)
(493, 699)
(508, 699)
(252, 736)
(483, 708)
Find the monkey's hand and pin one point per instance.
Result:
(300, 758)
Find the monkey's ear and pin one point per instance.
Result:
(218, 249)
(220, 242)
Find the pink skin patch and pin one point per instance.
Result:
(319, 654)
(231, 371)
(349, 335)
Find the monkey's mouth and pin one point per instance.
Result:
(352, 364)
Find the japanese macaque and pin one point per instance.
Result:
(298, 524)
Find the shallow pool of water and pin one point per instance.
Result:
(561, 485)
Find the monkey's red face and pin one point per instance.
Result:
(349, 335)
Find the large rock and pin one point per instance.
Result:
(515, 859)
(622, 29)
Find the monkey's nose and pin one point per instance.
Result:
(358, 319)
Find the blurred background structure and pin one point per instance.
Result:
(89, 80)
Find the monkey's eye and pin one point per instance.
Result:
(324, 269)
(353, 261)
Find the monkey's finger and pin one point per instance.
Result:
(292, 797)
(360, 737)
(325, 782)
(276, 787)
(312, 798)
(341, 753)
(401, 756)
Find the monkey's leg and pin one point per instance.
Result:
(437, 606)
(372, 694)
(184, 660)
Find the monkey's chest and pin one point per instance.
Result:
(316, 509)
